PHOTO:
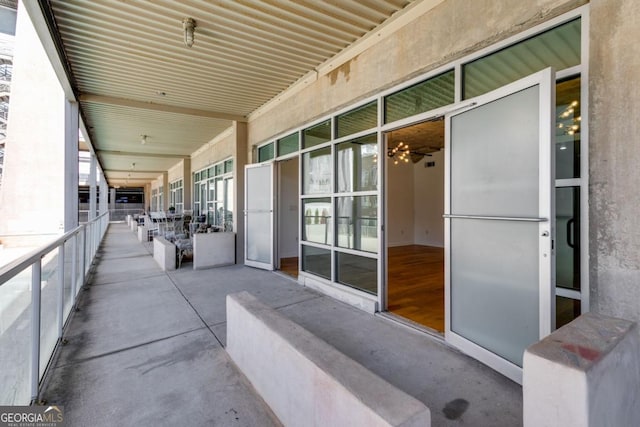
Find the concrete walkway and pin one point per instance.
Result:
(147, 348)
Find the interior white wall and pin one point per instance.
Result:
(428, 201)
(400, 200)
(288, 208)
(415, 203)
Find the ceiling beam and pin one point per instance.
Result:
(108, 171)
(122, 102)
(131, 179)
(137, 154)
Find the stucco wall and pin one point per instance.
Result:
(176, 171)
(451, 30)
(216, 150)
(614, 87)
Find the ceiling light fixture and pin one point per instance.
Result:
(401, 153)
(189, 27)
(143, 139)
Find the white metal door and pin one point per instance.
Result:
(499, 223)
(258, 216)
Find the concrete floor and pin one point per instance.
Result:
(147, 348)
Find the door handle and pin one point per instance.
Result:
(570, 241)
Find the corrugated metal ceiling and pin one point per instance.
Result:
(245, 53)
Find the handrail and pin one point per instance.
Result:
(15, 267)
(85, 241)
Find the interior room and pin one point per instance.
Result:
(287, 211)
(415, 227)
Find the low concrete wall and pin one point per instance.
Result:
(213, 250)
(164, 253)
(143, 233)
(307, 382)
(585, 374)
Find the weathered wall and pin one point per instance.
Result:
(451, 30)
(614, 88)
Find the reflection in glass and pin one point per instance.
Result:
(316, 171)
(428, 95)
(316, 134)
(357, 272)
(568, 124)
(558, 48)
(357, 120)
(265, 152)
(288, 144)
(317, 221)
(567, 309)
(316, 261)
(228, 166)
(228, 203)
(568, 237)
(358, 164)
(358, 222)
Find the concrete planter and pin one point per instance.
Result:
(213, 250)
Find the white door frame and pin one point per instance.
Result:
(269, 209)
(546, 217)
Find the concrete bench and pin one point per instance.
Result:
(306, 381)
(213, 250)
(164, 253)
(585, 374)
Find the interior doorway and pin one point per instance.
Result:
(287, 216)
(415, 226)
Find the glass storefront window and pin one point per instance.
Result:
(316, 261)
(436, 92)
(558, 48)
(357, 222)
(568, 237)
(288, 144)
(316, 171)
(357, 120)
(567, 309)
(358, 165)
(568, 127)
(228, 166)
(357, 272)
(266, 152)
(317, 221)
(316, 134)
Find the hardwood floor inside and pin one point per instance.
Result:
(289, 266)
(416, 284)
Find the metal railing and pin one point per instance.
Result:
(37, 294)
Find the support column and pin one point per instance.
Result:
(38, 198)
(112, 199)
(92, 187)
(165, 192)
(71, 161)
(187, 185)
(104, 194)
(240, 160)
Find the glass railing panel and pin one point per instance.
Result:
(49, 291)
(68, 277)
(15, 340)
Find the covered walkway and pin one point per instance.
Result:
(147, 348)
